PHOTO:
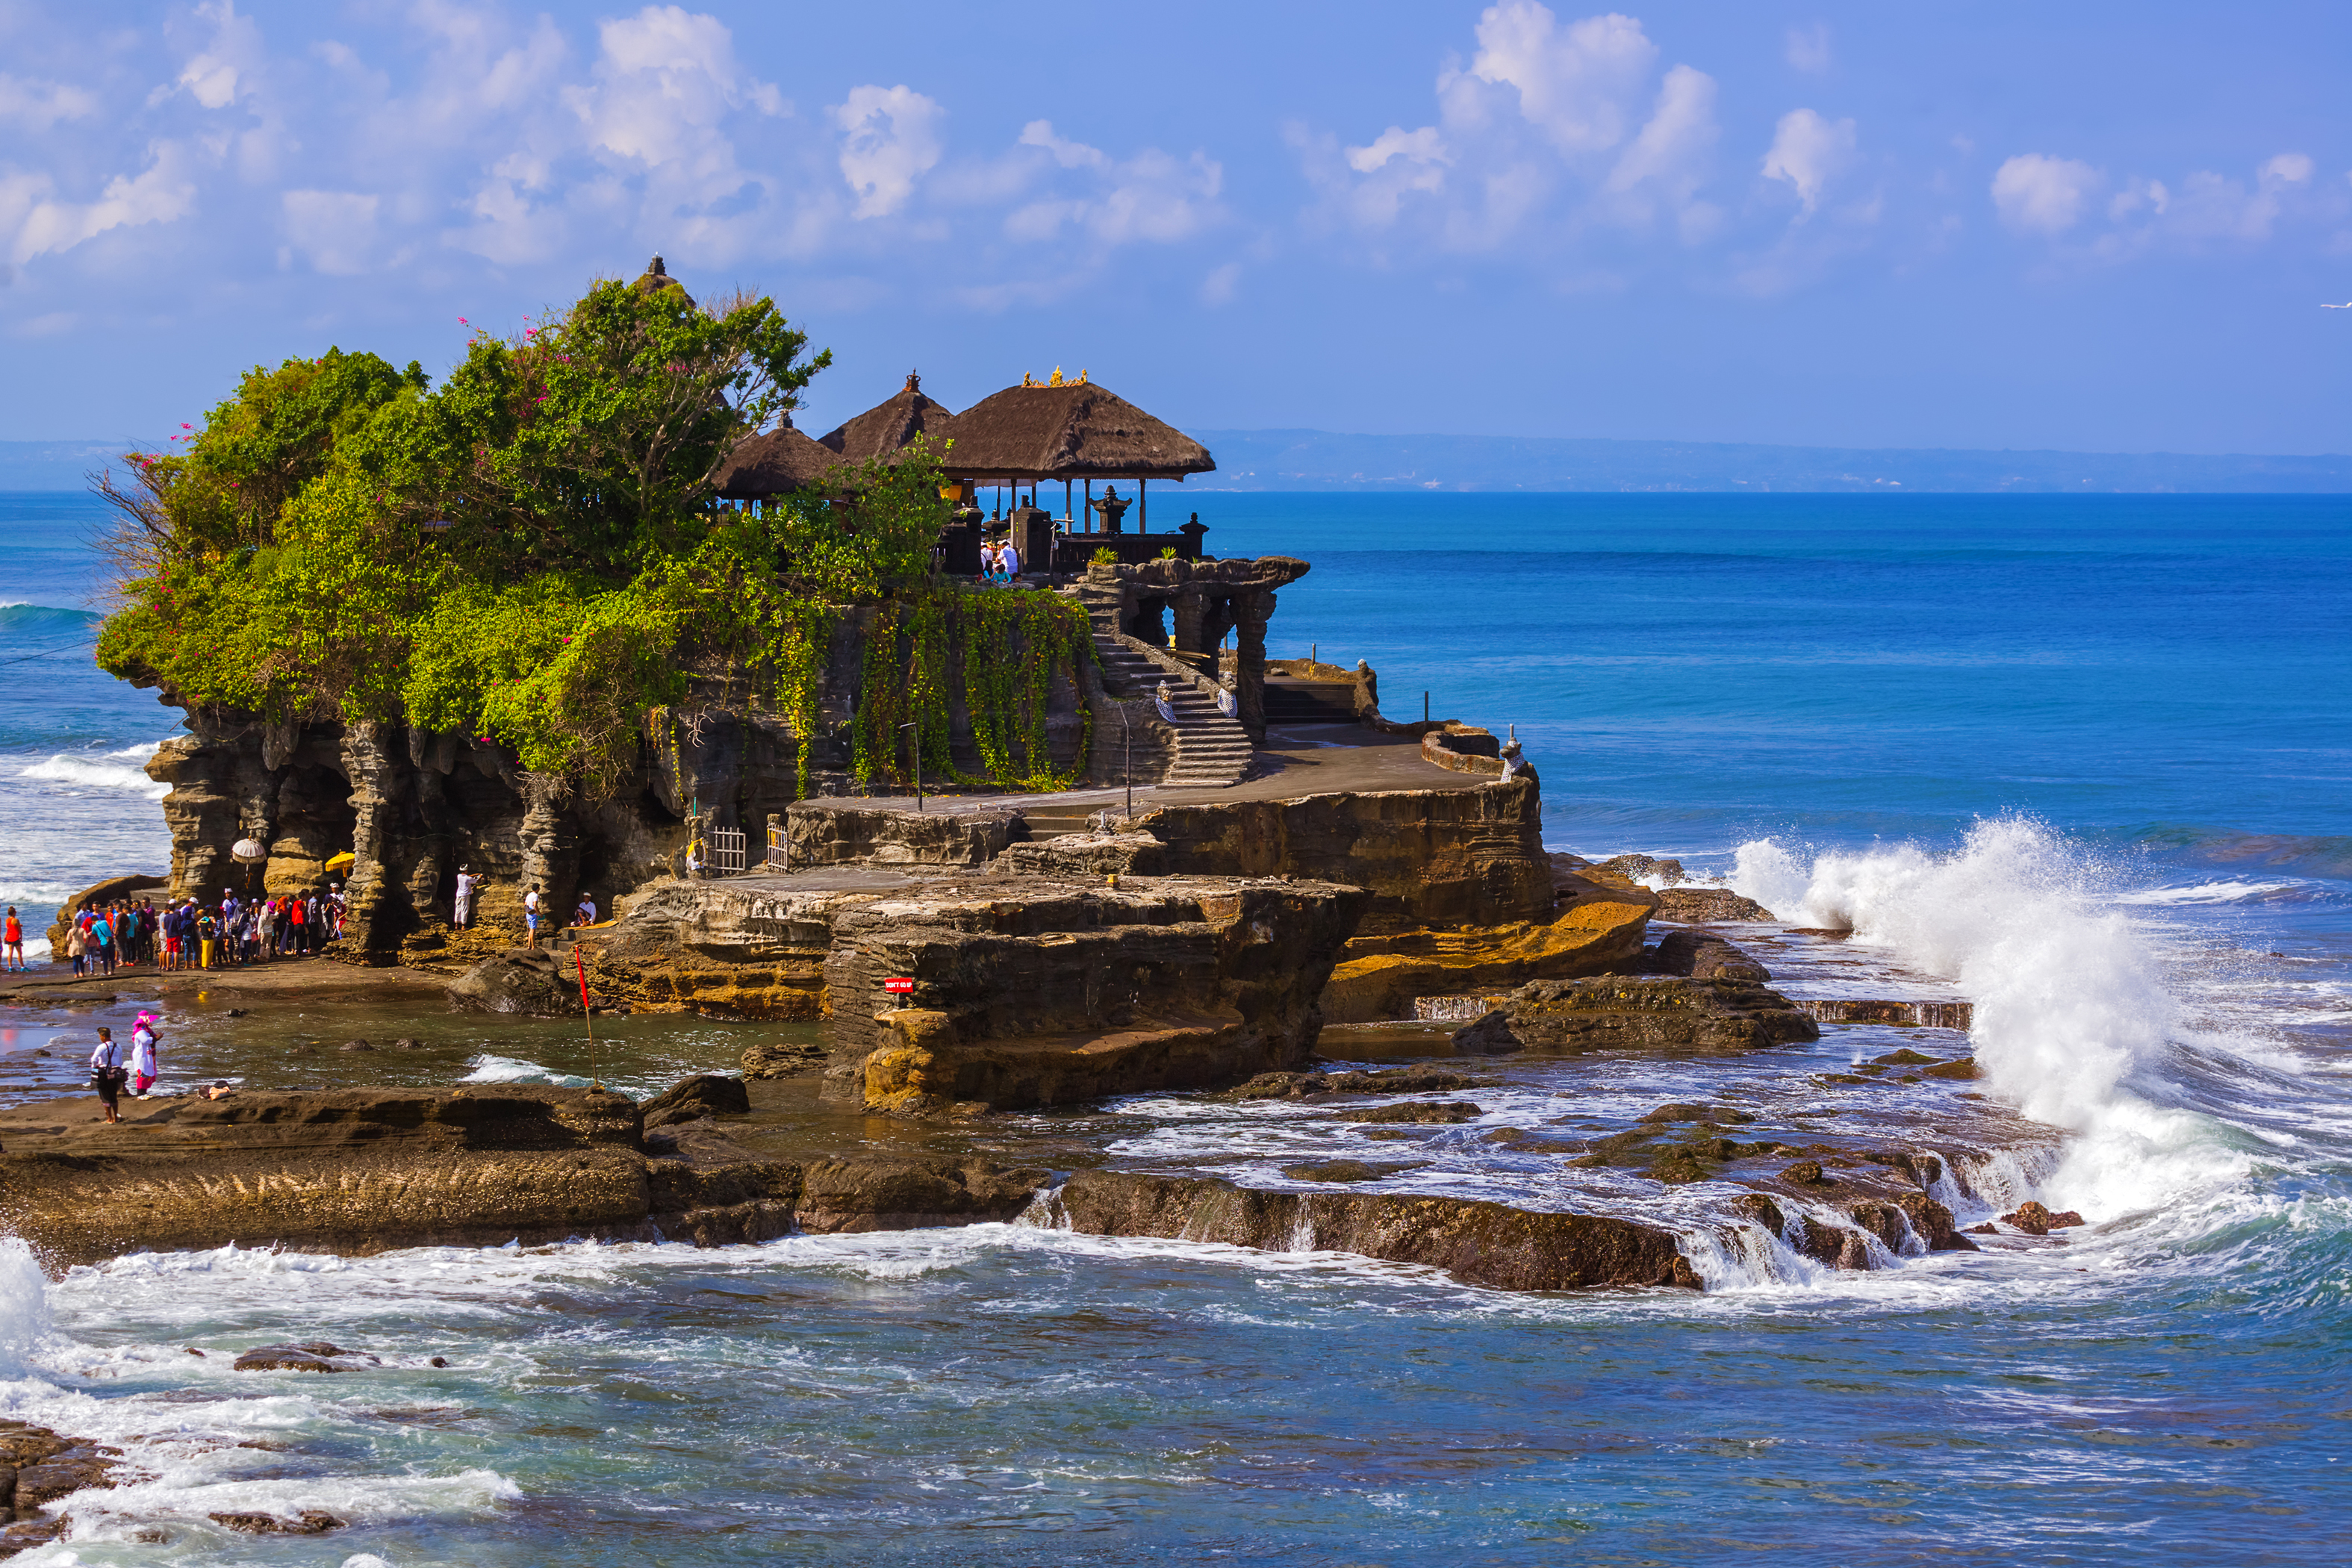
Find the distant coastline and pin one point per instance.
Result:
(1324, 460)
(1320, 460)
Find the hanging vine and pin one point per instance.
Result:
(1007, 648)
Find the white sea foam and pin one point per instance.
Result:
(492, 1068)
(123, 769)
(2210, 893)
(25, 1320)
(2074, 1022)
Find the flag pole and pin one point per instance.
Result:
(588, 1017)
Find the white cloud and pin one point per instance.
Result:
(1422, 146)
(1669, 158)
(1808, 151)
(1068, 154)
(1219, 285)
(890, 140)
(1544, 110)
(38, 105)
(39, 225)
(1153, 196)
(2287, 169)
(216, 75)
(1808, 48)
(1577, 84)
(335, 229)
(2033, 191)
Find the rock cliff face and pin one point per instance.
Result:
(1475, 1242)
(358, 1172)
(413, 805)
(1700, 1016)
(1023, 989)
(1030, 991)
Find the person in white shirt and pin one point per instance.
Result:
(466, 883)
(585, 915)
(1008, 561)
(530, 918)
(106, 1072)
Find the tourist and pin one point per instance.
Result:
(172, 927)
(106, 1072)
(466, 883)
(298, 926)
(101, 937)
(207, 937)
(992, 559)
(1009, 559)
(75, 946)
(530, 919)
(265, 931)
(143, 1067)
(12, 942)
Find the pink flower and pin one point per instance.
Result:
(463, 322)
(185, 426)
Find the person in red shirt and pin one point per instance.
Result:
(12, 939)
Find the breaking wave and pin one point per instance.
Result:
(124, 769)
(2076, 1020)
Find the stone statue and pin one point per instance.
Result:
(1111, 508)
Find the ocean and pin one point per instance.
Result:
(2082, 762)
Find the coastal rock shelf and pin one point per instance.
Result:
(1714, 1014)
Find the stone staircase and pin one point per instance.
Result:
(1210, 749)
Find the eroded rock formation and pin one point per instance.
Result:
(1637, 1013)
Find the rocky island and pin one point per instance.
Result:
(1164, 865)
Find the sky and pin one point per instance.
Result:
(2092, 227)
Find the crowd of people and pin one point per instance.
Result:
(191, 934)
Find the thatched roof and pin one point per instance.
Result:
(656, 279)
(1072, 431)
(887, 429)
(774, 462)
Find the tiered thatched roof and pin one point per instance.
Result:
(1073, 431)
(888, 429)
(1038, 430)
(773, 462)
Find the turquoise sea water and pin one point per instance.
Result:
(2082, 762)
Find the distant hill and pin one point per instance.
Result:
(1320, 460)
(62, 465)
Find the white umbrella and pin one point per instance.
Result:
(249, 849)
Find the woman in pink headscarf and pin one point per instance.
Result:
(144, 1063)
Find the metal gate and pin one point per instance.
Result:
(780, 852)
(726, 852)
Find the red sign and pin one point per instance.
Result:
(900, 985)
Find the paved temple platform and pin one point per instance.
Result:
(1298, 759)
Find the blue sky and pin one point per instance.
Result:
(2098, 226)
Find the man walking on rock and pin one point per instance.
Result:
(106, 1072)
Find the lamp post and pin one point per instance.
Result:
(1127, 736)
(917, 728)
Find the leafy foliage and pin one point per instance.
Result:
(577, 573)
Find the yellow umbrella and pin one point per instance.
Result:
(339, 862)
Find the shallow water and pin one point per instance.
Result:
(2080, 763)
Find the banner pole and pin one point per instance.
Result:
(589, 1017)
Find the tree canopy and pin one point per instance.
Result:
(530, 554)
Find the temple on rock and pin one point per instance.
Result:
(1123, 674)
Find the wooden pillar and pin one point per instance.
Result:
(1143, 506)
